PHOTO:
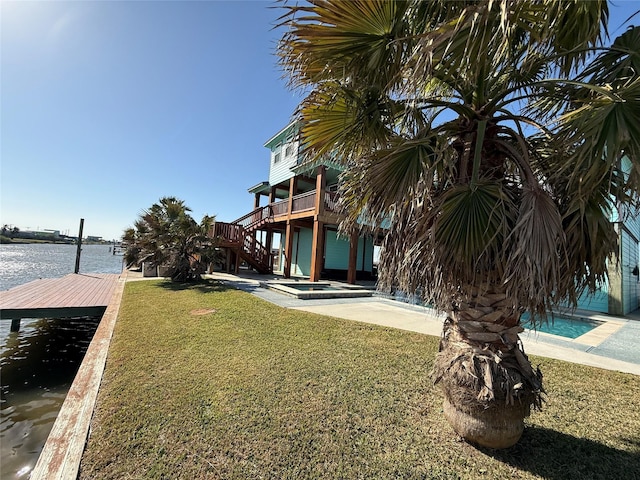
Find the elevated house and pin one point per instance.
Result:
(294, 224)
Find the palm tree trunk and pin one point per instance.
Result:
(488, 382)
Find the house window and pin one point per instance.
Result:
(277, 153)
(288, 151)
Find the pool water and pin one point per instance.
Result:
(563, 326)
(312, 288)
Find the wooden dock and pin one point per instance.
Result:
(74, 295)
(61, 455)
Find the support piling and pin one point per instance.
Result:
(77, 269)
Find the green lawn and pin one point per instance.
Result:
(252, 390)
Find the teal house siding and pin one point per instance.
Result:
(336, 255)
(281, 163)
(284, 155)
(336, 252)
(629, 251)
(628, 264)
(301, 256)
(302, 252)
(280, 261)
(365, 254)
(596, 302)
(622, 296)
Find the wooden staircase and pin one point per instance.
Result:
(240, 236)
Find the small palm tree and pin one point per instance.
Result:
(167, 235)
(493, 138)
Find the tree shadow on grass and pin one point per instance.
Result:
(208, 285)
(203, 286)
(555, 455)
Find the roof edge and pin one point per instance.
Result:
(280, 133)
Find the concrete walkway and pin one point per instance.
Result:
(612, 346)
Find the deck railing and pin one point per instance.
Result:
(246, 241)
(251, 219)
(304, 201)
(280, 208)
(300, 203)
(331, 201)
(229, 231)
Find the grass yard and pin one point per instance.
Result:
(209, 382)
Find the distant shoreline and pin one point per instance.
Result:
(8, 241)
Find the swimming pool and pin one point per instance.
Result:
(569, 327)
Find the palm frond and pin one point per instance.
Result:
(575, 27)
(538, 258)
(351, 40)
(618, 64)
(401, 170)
(591, 237)
(601, 129)
(345, 122)
(471, 222)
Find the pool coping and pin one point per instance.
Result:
(339, 290)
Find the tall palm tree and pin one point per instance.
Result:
(166, 234)
(493, 139)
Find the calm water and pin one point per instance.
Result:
(22, 263)
(568, 327)
(38, 364)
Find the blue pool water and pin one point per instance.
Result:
(312, 288)
(563, 326)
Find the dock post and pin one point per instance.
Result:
(15, 324)
(77, 269)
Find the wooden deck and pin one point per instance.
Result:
(74, 295)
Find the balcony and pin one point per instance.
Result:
(304, 202)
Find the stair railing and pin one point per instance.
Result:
(256, 250)
(254, 218)
(246, 241)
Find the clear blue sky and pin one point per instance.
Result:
(108, 106)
